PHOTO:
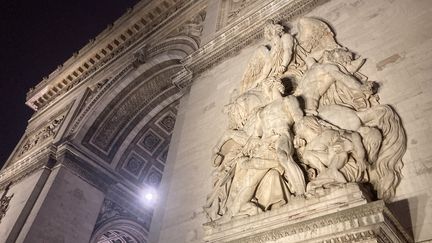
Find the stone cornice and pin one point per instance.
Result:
(145, 20)
(327, 214)
(94, 174)
(43, 157)
(244, 31)
(365, 222)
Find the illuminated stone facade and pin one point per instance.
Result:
(138, 110)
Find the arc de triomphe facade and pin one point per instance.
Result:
(233, 121)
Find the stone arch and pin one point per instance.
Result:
(138, 96)
(124, 112)
(180, 43)
(123, 229)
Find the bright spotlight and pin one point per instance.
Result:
(149, 196)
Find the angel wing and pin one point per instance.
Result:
(254, 69)
(315, 36)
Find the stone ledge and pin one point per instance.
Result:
(341, 215)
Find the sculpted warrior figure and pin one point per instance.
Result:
(335, 92)
(340, 133)
(263, 174)
(327, 150)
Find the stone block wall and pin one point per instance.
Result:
(65, 211)
(396, 38)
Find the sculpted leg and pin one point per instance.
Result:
(242, 204)
(292, 172)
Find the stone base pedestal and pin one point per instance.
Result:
(342, 214)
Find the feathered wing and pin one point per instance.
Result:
(253, 70)
(314, 35)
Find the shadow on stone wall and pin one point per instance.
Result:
(410, 211)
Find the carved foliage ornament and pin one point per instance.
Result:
(326, 131)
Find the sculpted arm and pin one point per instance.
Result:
(287, 43)
(347, 80)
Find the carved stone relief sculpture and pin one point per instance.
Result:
(327, 130)
(4, 202)
(41, 135)
(194, 26)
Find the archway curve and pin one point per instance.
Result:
(121, 227)
(166, 55)
(180, 43)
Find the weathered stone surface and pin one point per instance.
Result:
(66, 210)
(209, 48)
(371, 30)
(338, 214)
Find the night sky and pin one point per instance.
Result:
(36, 37)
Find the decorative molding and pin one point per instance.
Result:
(121, 39)
(97, 93)
(182, 79)
(368, 221)
(135, 164)
(167, 122)
(148, 161)
(125, 111)
(20, 169)
(128, 108)
(91, 173)
(37, 141)
(151, 141)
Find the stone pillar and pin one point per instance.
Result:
(65, 210)
(22, 195)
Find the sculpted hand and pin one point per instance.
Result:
(299, 142)
(281, 69)
(362, 165)
(251, 145)
(367, 87)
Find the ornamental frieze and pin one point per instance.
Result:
(41, 135)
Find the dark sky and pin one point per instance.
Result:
(35, 37)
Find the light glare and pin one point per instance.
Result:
(149, 196)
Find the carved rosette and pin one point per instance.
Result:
(327, 131)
